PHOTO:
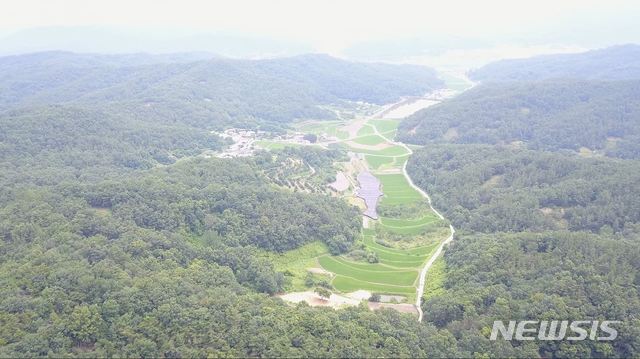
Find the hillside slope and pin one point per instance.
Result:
(552, 115)
(613, 63)
(209, 93)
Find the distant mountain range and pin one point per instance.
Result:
(588, 101)
(96, 39)
(202, 90)
(613, 63)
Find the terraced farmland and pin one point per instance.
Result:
(397, 190)
(375, 273)
(399, 239)
(398, 244)
(369, 140)
(385, 126)
(329, 128)
(377, 162)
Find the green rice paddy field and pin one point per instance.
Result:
(397, 268)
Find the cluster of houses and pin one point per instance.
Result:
(245, 141)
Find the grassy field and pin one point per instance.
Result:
(385, 126)
(399, 161)
(454, 83)
(376, 267)
(376, 162)
(389, 276)
(371, 140)
(434, 280)
(366, 130)
(295, 263)
(276, 145)
(346, 284)
(271, 145)
(407, 231)
(397, 190)
(419, 251)
(329, 128)
(395, 182)
(382, 163)
(394, 222)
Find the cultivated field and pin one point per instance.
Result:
(394, 248)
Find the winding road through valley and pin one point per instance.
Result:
(427, 266)
(406, 243)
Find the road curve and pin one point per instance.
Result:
(427, 266)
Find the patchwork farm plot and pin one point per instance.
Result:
(403, 234)
(327, 128)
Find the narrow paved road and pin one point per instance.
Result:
(427, 266)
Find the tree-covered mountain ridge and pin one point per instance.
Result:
(588, 102)
(620, 62)
(214, 93)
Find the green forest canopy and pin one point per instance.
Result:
(612, 63)
(541, 236)
(213, 93)
(602, 116)
(115, 242)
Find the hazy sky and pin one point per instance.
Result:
(443, 33)
(330, 25)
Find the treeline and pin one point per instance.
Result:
(224, 196)
(551, 115)
(495, 189)
(541, 235)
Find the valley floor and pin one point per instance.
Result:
(396, 249)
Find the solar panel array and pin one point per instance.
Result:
(369, 191)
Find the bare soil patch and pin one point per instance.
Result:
(353, 127)
(341, 183)
(403, 308)
(335, 301)
(317, 270)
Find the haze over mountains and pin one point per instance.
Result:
(620, 62)
(429, 47)
(206, 92)
(118, 40)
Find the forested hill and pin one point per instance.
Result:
(210, 93)
(541, 235)
(588, 102)
(548, 221)
(500, 189)
(602, 116)
(116, 241)
(613, 63)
